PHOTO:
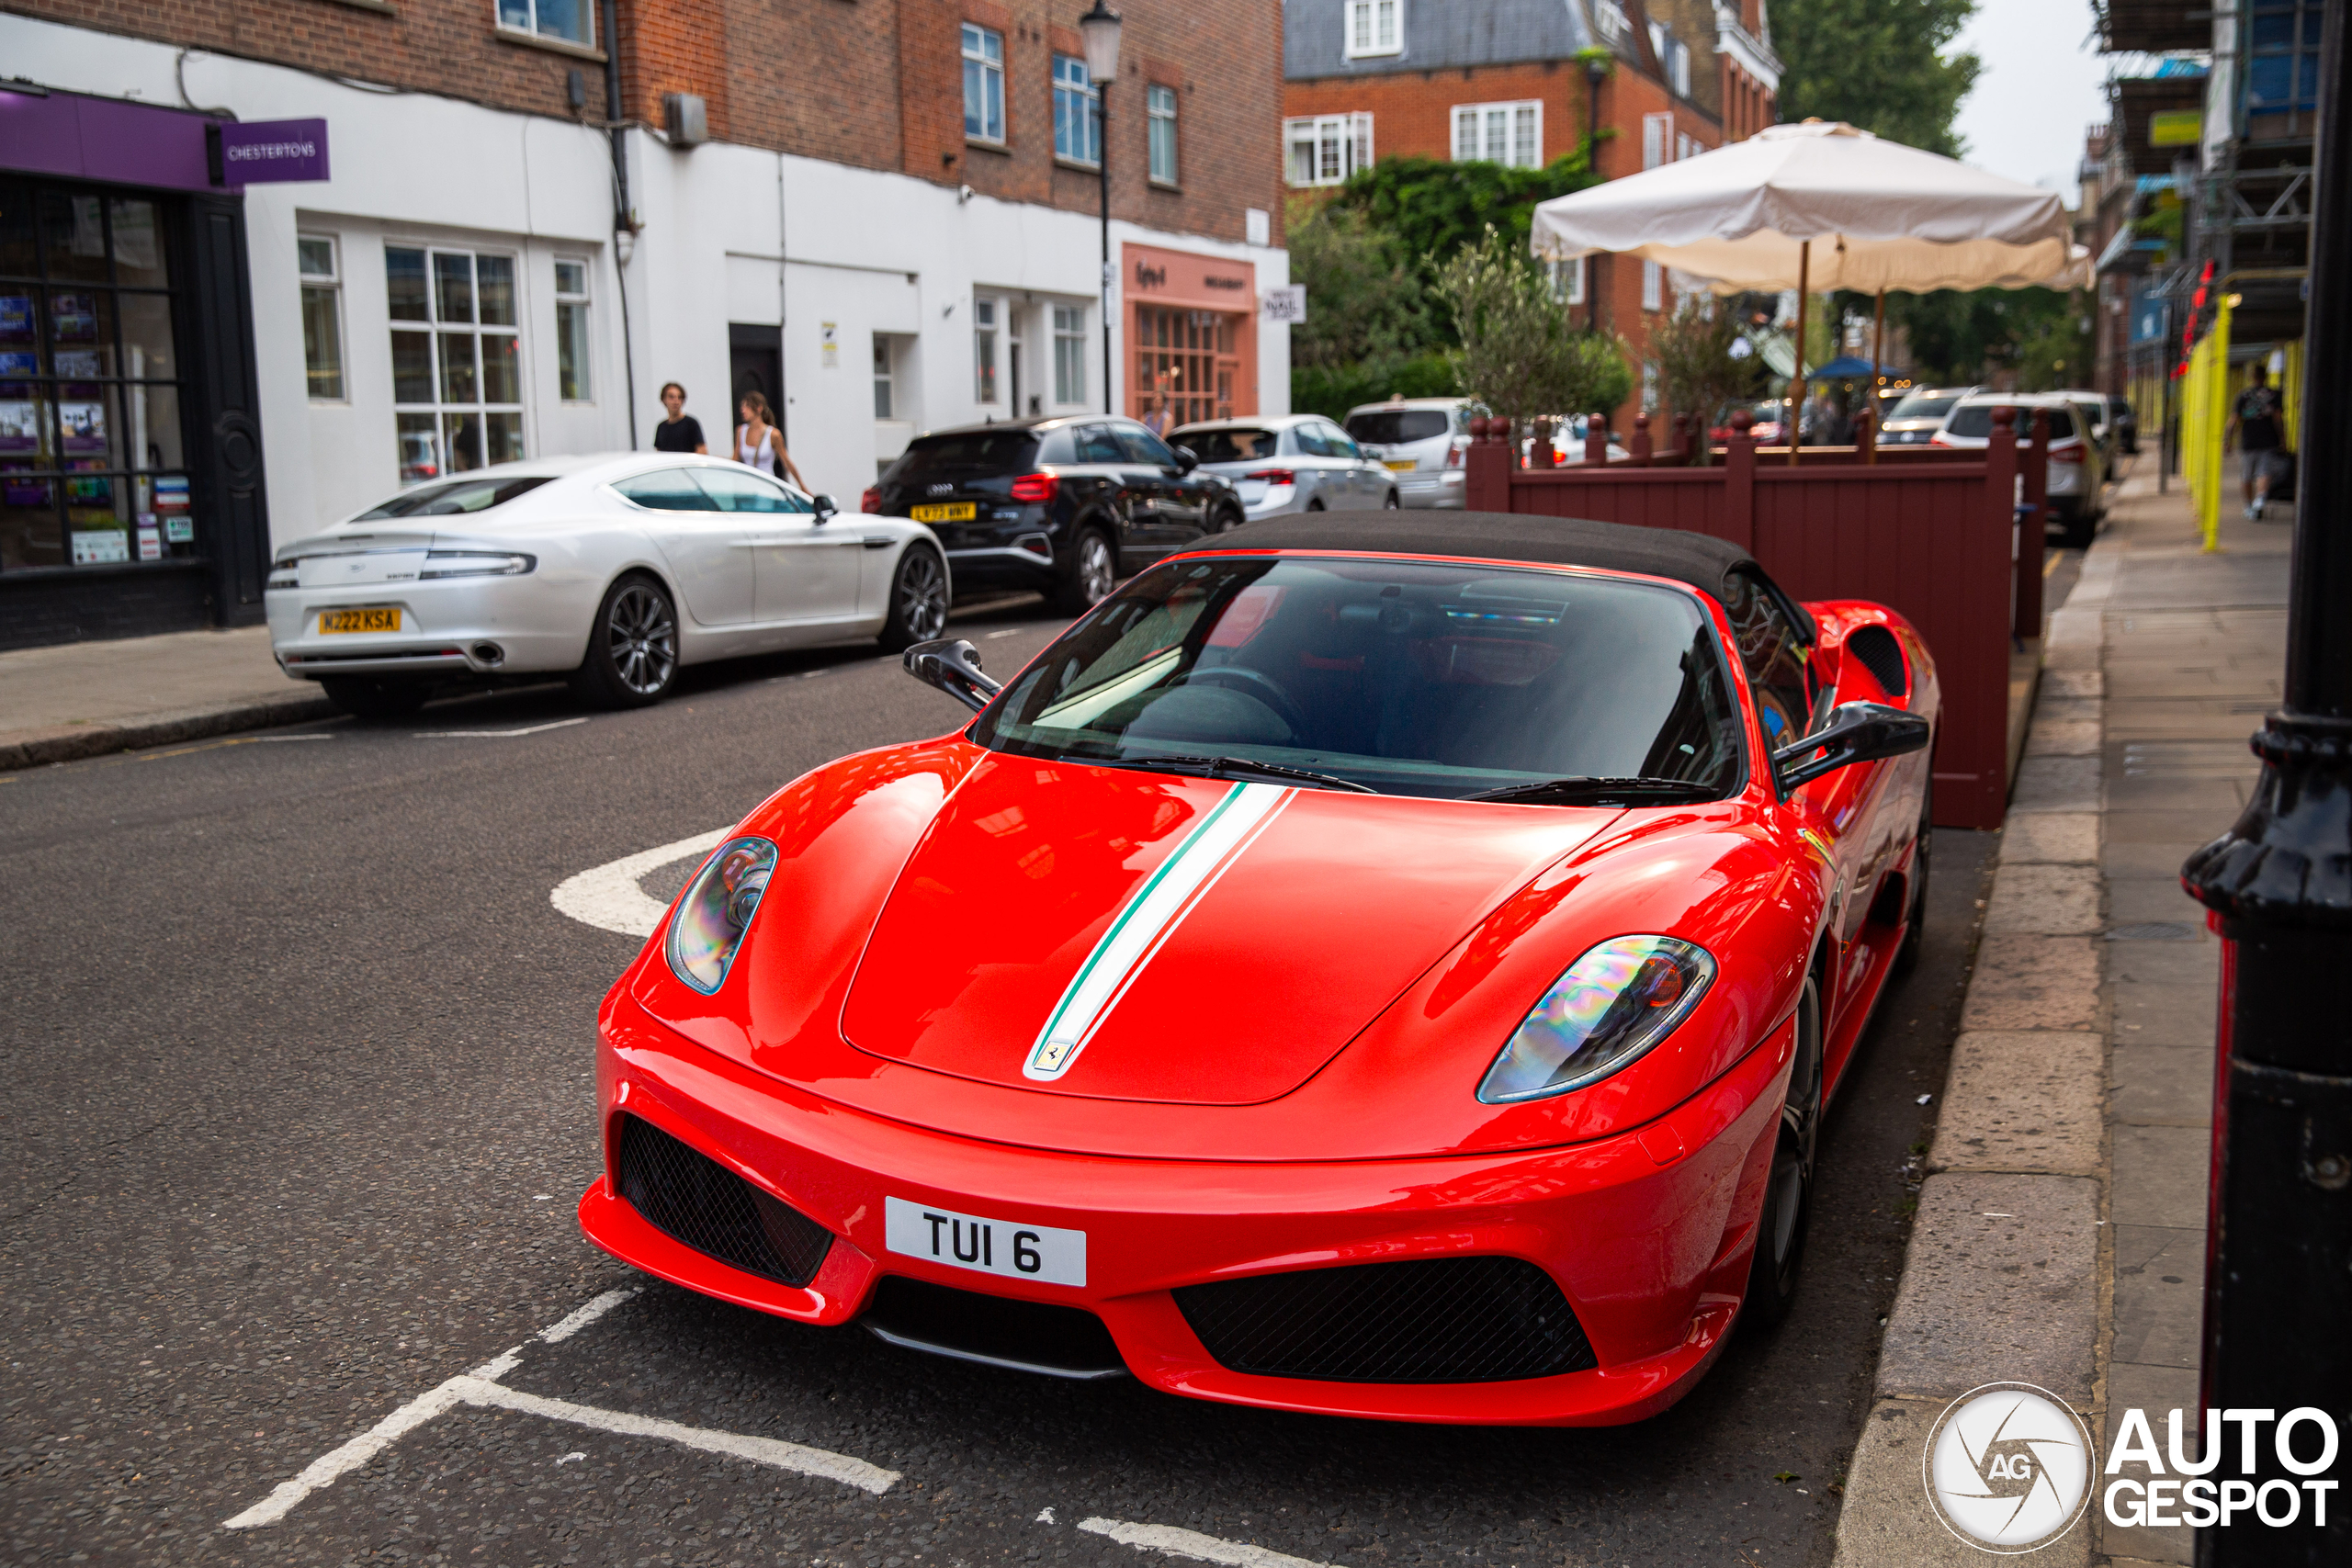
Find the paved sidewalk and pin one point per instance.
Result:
(2060, 1239)
(82, 699)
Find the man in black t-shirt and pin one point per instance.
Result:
(2255, 426)
(680, 432)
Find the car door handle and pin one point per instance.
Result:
(874, 542)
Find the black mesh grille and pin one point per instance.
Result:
(1432, 1320)
(693, 1199)
(1881, 655)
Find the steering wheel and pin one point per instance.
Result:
(1252, 684)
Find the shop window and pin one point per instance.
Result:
(322, 317)
(1325, 151)
(1375, 27)
(1185, 362)
(457, 360)
(984, 351)
(1510, 134)
(1159, 103)
(1078, 113)
(92, 466)
(1069, 353)
(572, 339)
(983, 84)
(568, 21)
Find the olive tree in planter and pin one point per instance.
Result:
(1522, 354)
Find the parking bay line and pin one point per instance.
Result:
(1200, 1548)
(481, 1388)
(607, 895)
(497, 734)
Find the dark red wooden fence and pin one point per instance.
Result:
(1934, 538)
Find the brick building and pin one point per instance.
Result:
(1514, 81)
(880, 213)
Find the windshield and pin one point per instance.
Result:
(1386, 427)
(455, 495)
(1411, 678)
(1925, 405)
(1002, 450)
(1975, 422)
(1227, 445)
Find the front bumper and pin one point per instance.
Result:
(1647, 1233)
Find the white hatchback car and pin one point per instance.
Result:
(2078, 470)
(1286, 463)
(1422, 441)
(611, 571)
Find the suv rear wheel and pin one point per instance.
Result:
(1088, 575)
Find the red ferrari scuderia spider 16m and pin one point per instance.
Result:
(1383, 967)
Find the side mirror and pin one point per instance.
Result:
(953, 666)
(827, 507)
(1186, 459)
(1857, 732)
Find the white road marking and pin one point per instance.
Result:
(1193, 1544)
(481, 1388)
(266, 739)
(607, 895)
(1009, 631)
(497, 734)
(576, 1453)
(1045, 1517)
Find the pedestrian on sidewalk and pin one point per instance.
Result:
(759, 445)
(1161, 419)
(2254, 426)
(680, 432)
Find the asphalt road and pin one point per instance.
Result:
(299, 1102)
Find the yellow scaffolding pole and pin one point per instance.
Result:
(2205, 415)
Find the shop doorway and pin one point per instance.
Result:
(756, 360)
(1186, 360)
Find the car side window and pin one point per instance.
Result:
(1776, 659)
(1058, 448)
(1143, 446)
(1097, 445)
(1310, 442)
(666, 489)
(748, 491)
(1337, 442)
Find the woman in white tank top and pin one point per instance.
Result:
(757, 444)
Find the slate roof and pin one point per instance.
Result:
(1438, 33)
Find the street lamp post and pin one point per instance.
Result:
(1100, 29)
(2279, 1265)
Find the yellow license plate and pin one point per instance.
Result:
(946, 512)
(1403, 467)
(332, 621)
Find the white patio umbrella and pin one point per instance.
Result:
(1821, 206)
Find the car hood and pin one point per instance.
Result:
(1115, 934)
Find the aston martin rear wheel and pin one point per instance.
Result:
(918, 601)
(632, 647)
(1788, 1197)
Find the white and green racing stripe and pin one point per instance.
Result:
(1155, 911)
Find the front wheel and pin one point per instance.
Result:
(1788, 1196)
(363, 698)
(1226, 520)
(632, 647)
(918, 601)
(1393, 503)
(1087, 579)
(1915, 933)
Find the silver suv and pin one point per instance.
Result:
(1421, 441)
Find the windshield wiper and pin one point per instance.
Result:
(1587, 791)
(1227, 767)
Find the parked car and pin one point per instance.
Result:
(1336, 975)
(2126, 420)
(1769, 427)
(1422, 441)
(1567, 444)
(1915, 420)
(2093, 406)
(2078, 466)
(1066, 505)
(611, 571)
(1299, 462)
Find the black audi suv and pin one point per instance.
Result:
(1065, 505)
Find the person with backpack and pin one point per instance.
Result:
(2255, 428)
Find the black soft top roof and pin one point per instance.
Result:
(1703, 562)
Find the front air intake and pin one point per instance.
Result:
(693, 1200)
(1426, 1321)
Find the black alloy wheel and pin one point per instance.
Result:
(1393, 501)
(1788, 1197)
(364, 698)
(1226, 520)
(632, 647)
(918, 600)
(1914, 932)
(1316, 505)
(1088, 574)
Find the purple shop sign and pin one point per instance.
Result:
(267, 152)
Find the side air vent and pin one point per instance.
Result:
(693, 1199)
(1882, 655)
(1431, 1320)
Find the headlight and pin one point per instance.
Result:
(1614, 1004)
(475, 563)
(716, 910)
